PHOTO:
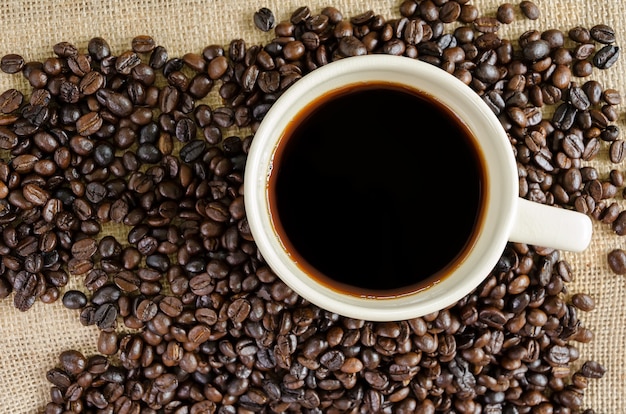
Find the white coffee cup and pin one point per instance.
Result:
(507, 217)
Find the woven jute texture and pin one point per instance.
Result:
(30, 342)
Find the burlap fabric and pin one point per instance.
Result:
(30, 342)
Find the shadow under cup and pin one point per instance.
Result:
(377, 190)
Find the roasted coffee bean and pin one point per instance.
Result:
(530, 9)
(143, 44)
(579, 34)
(11, 63)
(217, 67)
(105, 316)
(85, 248)
(583, 302)
(578, 98)
(127, 281)
(584, 51)
(171, 306)
(10, 100)
(505, 13)
(536, 50)
(582, 68)
(486, 24)
(610, 133)
(592, 369)
(264, 19)
(106, 294)
(351, 46)
(192, 151)
(573, 146)
(59, 378)
(611, 96)
(127, 60)
(117, 103)
(89, 123)
(8, 139)
(606, 57)
(73, 362)
(602, 33)
(25, 287)
(617, 260)
(65, 49)
(74, 299)
(35, 194)
(617, 151)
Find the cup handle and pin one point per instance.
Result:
(548, 226)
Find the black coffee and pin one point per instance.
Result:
(376, 189)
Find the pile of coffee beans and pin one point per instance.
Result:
(191, 318)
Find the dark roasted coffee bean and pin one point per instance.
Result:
(74, 299)
(505, 13)
(107, 344)
(89, 123)
(487, 73)
(149, 153)
(158, 262)
(592, 369)
(59, 378)
(192, 150)
(10, 100)
(171, 306)
(35, 194)
(65, 49)
(127, 281)
(617, 259)
(583, 302)
(95, 279)
(106, 294)
(264, 19)
(105, 316)
(147, 246)
(351, 46)
(143, 44)
(602, 33)
(610, 133)
(126, 61)
(564, 116)
(25, 287)
(529, 9)
(185, 129)
(486, 24)
(11, 63)
(8, 138)
(84, 248)
(536, 50)
(606, 57)
(91, 82)
(579, 34)
(617, 151)
(578, 98)
(98, 48)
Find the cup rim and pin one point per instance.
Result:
(500, 201)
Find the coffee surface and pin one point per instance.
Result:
(359, 189)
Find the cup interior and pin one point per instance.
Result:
(499, 205)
